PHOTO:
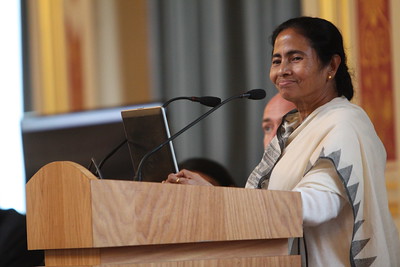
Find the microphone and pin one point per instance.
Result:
(209, 101)
(255, 94)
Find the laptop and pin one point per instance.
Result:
(146, 129)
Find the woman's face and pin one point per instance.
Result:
(297, 72)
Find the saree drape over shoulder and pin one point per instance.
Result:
(341, 133)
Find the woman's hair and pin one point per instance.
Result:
(327, 41)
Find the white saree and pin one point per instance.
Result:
(341, 133)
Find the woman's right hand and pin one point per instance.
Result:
(186, 177)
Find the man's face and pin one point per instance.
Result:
(276, 108)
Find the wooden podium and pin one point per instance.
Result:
(80, 220)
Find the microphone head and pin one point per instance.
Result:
(255, 94)
(209, 101)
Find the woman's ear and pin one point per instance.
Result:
(334, 65)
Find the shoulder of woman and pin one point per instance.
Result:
(341, 110)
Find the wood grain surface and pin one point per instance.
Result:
(133, 213)
(58, 207)
(82, 221)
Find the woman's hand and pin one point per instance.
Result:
(186, 177)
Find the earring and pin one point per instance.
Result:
(330, 77)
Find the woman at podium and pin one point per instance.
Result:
(327, 149)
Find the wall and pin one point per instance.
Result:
(86, 54)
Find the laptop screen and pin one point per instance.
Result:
(146, 129)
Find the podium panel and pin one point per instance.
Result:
(80, 220)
